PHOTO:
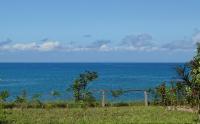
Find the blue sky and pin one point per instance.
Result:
(98, 30)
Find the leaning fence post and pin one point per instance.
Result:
(145, 98)
(103, 98)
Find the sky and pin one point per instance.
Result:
(99, 30)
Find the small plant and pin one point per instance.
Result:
(4, 95)
(161, 92)
(22, 98)
(35, 101)
(117, 93)
(55, 93)
(36, 97)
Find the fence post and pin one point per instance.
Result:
(103, 99)
(145, 98)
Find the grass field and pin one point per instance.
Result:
(109, 115)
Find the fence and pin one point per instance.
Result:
(104, 92)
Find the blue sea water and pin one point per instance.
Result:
(44, 78)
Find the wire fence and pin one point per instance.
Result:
(104, 96)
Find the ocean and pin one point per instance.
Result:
(43, 78)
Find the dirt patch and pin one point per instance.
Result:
(181, 108)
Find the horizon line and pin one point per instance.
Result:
(90, 62)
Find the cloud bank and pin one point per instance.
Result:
(140, 42)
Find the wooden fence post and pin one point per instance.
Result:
(145, 98)
(103, 99)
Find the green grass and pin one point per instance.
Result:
(108, 115)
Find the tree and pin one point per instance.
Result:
(195, 77)
(80, 84)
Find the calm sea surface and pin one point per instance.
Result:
(44, 78)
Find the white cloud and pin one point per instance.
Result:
(32, 46)
(49, 45)
(21, 46)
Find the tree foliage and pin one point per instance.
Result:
(80, 84)
(195, 77)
